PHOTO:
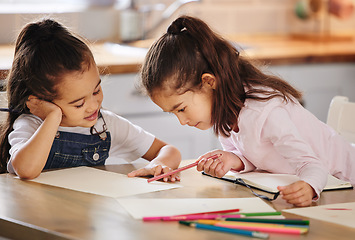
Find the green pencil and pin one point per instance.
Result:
(260, 214)
(265, 220)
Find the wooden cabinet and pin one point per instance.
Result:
(122, 97)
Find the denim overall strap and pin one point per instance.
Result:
(74, 149)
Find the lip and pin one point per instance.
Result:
(93, 116)
(197, 124)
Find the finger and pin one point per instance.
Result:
(302, 201)
(32, 97)
(174, 177)
(220, 171)
(157, 170)
(214, 165)
(139, 173)
(166, 170)
(294, 187)
(302, 197)
(210, 165)
(206, 157)
(177, 177)
(292, 195)
(201, 165)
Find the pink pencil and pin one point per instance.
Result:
(160, 218)
(180, 169)
(191, 217)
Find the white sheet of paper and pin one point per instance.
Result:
(100, 182)
(339, 213)
(139, 208)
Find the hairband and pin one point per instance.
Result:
(176, 27)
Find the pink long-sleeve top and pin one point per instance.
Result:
(282, 137)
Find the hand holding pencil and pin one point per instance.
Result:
(219, 168)
(214, 157)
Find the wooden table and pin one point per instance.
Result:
(30, 210)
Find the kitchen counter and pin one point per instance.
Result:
(273, 50)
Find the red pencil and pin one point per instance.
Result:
(180, 169)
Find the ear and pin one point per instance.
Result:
(209, 80)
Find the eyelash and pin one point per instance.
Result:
(182, 109)
(95, 93)
(79, 106)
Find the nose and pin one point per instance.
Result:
(183, 120)
(93, 103)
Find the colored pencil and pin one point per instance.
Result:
(161, 218)
(268, 220)
(269, 228)
(190, 217)
(226, 230)
(180, 169)
(213, 212)
(261, 227)
(260, 214)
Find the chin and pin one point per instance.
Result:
(203, 127)
(86, 124)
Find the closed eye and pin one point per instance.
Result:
(182, 109)
(97, 92)
(79, 106)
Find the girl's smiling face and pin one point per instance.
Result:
(193, 108)
(80, 98)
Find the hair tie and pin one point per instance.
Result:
(176, 27)
(10, 110)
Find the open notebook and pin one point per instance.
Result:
(268, 182)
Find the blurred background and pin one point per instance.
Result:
(102, 19)
(310, 43)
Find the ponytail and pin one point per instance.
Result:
(189, 49)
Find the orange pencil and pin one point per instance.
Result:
(180, 169)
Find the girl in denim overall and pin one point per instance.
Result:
(55, 118)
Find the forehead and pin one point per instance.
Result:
(77, 84)
(168, 100)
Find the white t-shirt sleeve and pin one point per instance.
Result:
(128, 141)
(24, 127)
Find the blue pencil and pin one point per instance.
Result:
(226, 230)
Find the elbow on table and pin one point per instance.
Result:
(26, 172)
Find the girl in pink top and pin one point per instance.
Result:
(201, 78)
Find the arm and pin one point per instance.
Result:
(163, 158)
(288, 141)
(29, 161)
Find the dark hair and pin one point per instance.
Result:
(179, 58)
(45, 51)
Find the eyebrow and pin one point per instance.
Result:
(175, 106)
(76, 100)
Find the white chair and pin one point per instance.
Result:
(3, 104)
(341, 117)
